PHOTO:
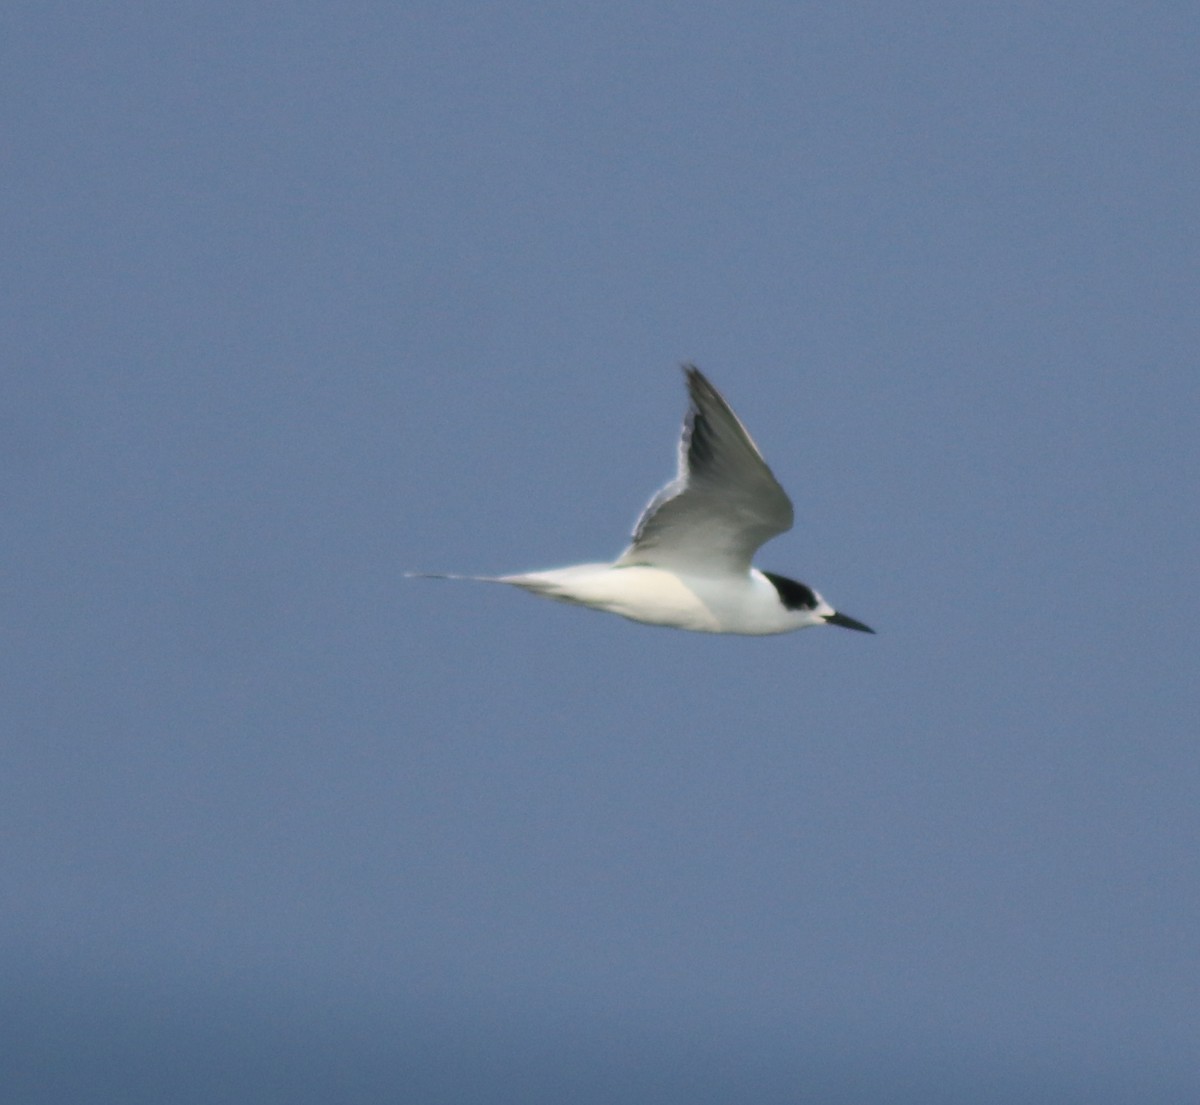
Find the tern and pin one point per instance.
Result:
(688, 566)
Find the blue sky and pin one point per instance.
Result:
(300, 298)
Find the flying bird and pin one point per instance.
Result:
(688, 566)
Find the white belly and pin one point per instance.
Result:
(659, 597)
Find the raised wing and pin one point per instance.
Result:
(724, 503)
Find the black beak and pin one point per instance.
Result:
(847, 623)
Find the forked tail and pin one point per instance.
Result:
(537, 582)
(452, 575)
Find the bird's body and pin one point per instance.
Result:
(688, 566)
(746, 604)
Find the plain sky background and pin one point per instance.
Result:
(298, 297)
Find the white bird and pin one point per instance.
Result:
(689, 564)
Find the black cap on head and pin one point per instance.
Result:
(793, 594)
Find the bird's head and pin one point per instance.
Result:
(807, 604)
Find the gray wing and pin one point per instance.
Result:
(724, 503)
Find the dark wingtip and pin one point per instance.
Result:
(699, 387)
